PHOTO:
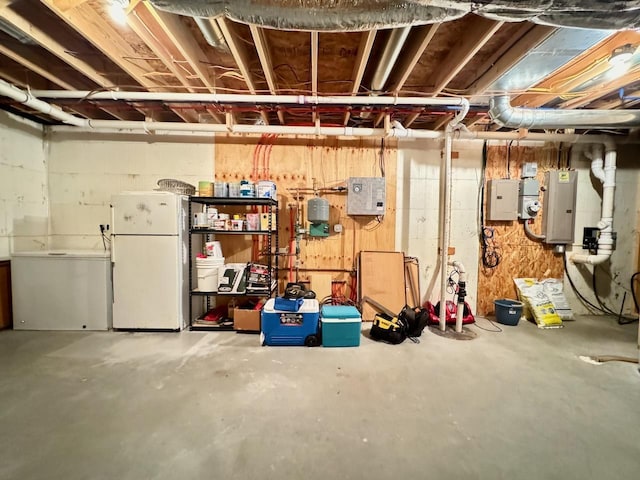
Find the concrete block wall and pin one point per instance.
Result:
(24, 197)
(418, 209)
(86, 169)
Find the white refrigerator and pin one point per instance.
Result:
(149, 257)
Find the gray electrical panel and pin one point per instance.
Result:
(559, 213)
(502, 201)
(528, 198)
(366, 196)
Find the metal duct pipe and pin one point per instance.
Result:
(502, 113)
(212, 33)
(392, 49)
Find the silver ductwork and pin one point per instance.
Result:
(502, 113)
(392, 49)
(349, 15)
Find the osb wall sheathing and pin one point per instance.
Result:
(293, 162)
(520, 256)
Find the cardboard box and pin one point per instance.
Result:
(246, 320)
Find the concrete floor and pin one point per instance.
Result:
(512, 405)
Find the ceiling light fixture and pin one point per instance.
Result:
(118, 11)
(621, 54)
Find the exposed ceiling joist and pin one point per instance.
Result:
(411, 56)
(267, 64)
(406, 63)
(478, 34)
(19, 55)
(48, 42)
(186, 44)
(102, 35)
(241, 57)
(360, 65)
(162, 51)
(603, 90)
(494, 68)
(410, 119)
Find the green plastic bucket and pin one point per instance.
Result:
(508, 312)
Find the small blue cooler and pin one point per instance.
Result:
(340, 326)
(291, 328)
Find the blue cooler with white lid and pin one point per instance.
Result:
(340, 326)
(281, 327)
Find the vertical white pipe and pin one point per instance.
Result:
(605, 240)
(445, 171)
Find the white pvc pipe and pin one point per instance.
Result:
(462, 278)
(605, 240)
(445, 171)
(223, 98)
(25, 98)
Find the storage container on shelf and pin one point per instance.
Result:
(220, 189)
(266, 189)
(290, 328)
(234, 190)
(207, 270)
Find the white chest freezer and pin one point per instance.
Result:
(61, 290)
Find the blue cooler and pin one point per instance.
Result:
(340, 326)
(280, 327)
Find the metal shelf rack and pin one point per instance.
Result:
(270, 207)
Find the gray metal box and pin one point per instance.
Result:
(502, 201)
(528, 196)
(559, 213)
(366, 196)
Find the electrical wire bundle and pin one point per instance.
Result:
(490, 251)
(602, 307)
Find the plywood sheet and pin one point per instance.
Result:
(321, 284)
(294, 162)
(520, 256)
(381, 278)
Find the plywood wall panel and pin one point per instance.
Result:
(294, 162)
(521, 256)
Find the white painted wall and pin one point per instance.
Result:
(24, 203)
(418, 208)
(86, 169)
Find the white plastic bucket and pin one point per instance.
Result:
(266, 189)
(207, 271)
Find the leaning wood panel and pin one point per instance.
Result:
(294, 162)
(521, 256)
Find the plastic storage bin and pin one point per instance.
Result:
(340, 326)
(291, 328)
(508, 312)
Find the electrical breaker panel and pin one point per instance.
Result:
(502, 201)
(559, 216)
(366, 196)
(528, 198)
